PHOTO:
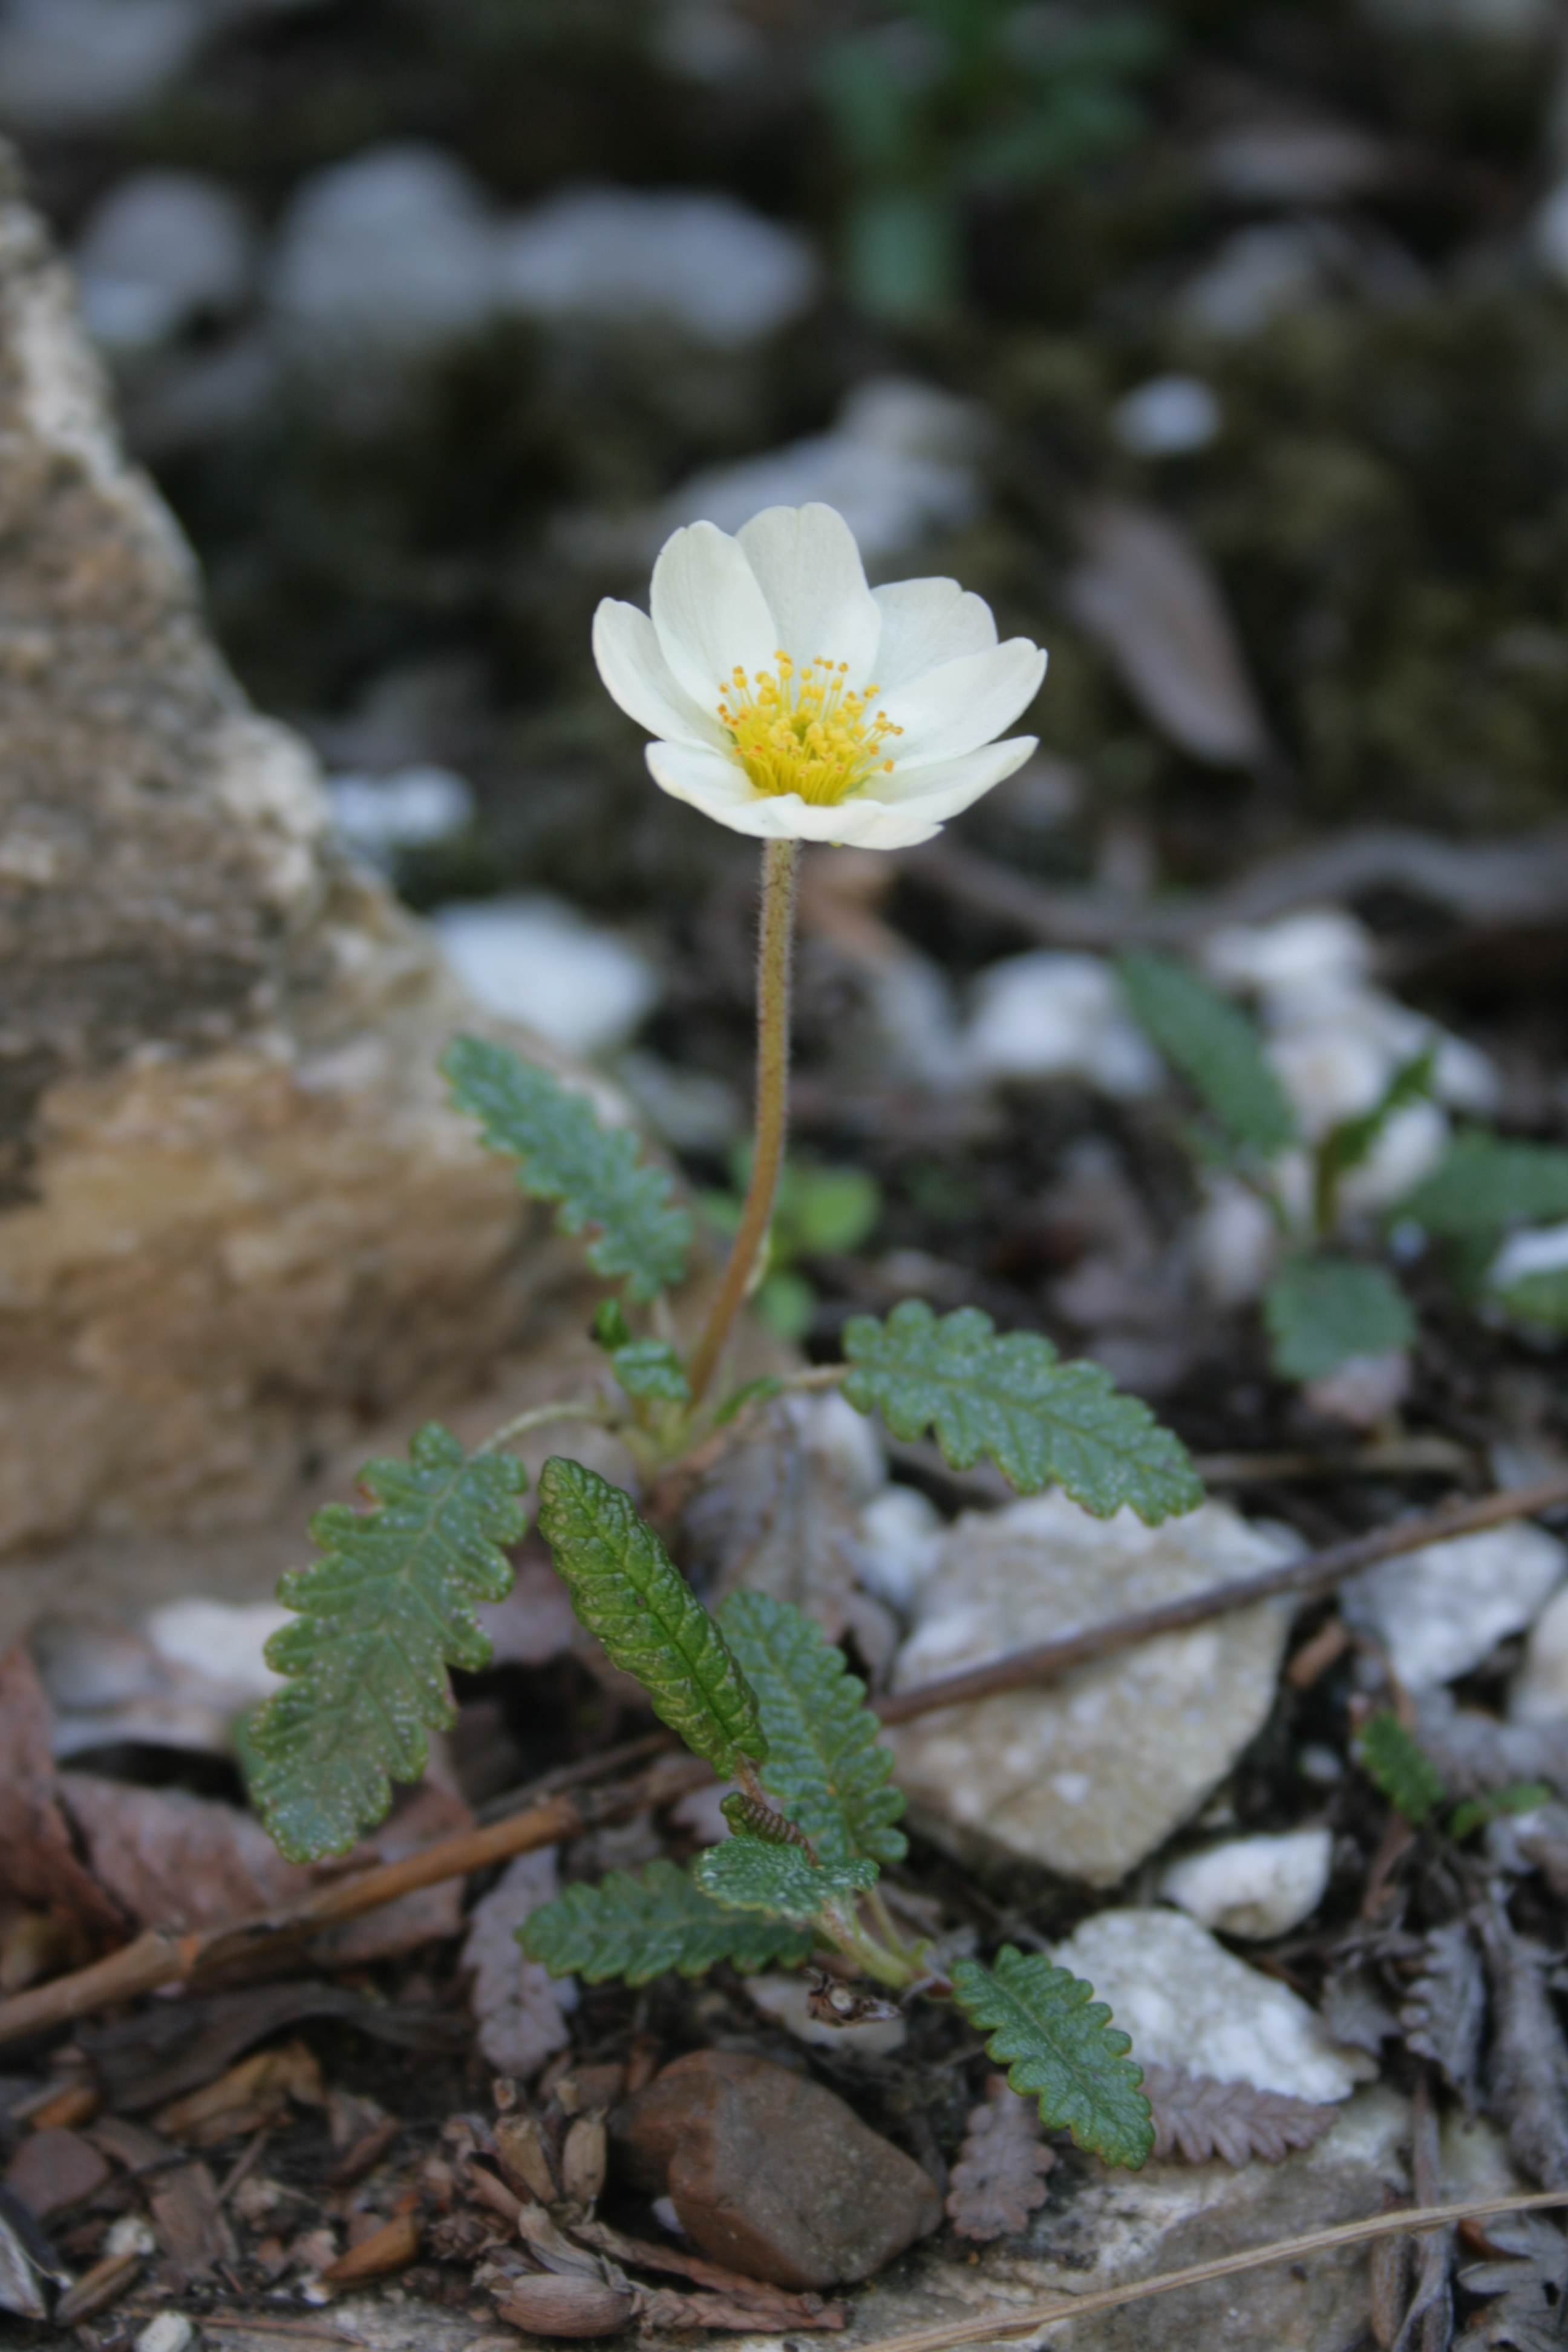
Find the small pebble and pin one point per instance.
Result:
(170, 2331)
(1440, 1612)
(786, 2000)
(1254, 1887)
(1049, 1015)
(1166, 418)
(1539, 1693)
(536, 960)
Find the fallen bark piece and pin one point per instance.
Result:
(1202, 2118)
(256, 2092)
(1527, 2069)
(1000, 2177)
(769, 2306)
(548, 2304)
(192, 2230)
(770, 2174)
(1445, 2010)
(96, 2289)
(391, 2248)
(38, 1861)
(52, 2169)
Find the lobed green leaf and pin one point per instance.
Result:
(1059, 2045)
(828, 1765)
(1483, 1184)
(650, 1373)
(1351, 1141)
(635, 1927)
(563, 1154)
(753, 1874)
(1040, 1419)
(1402, 1769)
(383, 1614)
(1321, 1311)
(1216, 1048)
(627, 1591)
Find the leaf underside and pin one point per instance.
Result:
(751, 1874)
(1199, 2118)
(383, 1612)
(1058, 2044)
(592, 1173)
(628, 1592)
(634, 1927)
(1402, 1769)
(1214, 1046)
(1484, 1184)
(999, 2178)
(1444, 2010)
(1322, 1311)
(1041, 1420)
(827, 1766)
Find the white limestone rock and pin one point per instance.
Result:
(1539, 1693)
(1168, 416)
(163, 248)
(786, 2000)
(1091, 1774)
(1440, 1612)
(1186, 2001)
(1254, 1887)
(534, 959)
(414, 809)
(1050, 1014)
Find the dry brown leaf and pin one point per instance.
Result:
(1198, 2118)
(391, 2248)
(1150, 599)
(38, 1853)
(519, 2007)
(1000, 2177)
(171, 1860)
(192, 2228)
(256, 2092)
(1528, 2272)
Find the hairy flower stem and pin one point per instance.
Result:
(775, 951)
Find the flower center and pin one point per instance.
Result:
(805, 731)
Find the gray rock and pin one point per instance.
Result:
(1092, 1774)
(162, 247)
(235, 1209)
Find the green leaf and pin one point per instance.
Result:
(825, 1212)
(828, 1765)
(1012, 1398)
(627, 1591)
(635, 1927)
(1540, 1297)
(1059, 2045)
(563, 1155)
(1321, 1311)
(751, 1874)
(1354, 1140)
(383, 1614)
(1482, 1185)
(1405, 1772)
(1214, 1046)
(650, 1371)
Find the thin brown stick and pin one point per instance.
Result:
(1317, 1572)
(776, 955)
(1003, 2324)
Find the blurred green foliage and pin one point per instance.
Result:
(819, 1212)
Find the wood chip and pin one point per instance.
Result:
(391, 2248)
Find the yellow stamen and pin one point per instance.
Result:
(807, 733)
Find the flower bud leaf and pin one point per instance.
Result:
(1059, 2045)
(383, 1612)
(1012, 1397)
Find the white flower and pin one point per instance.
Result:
(792, 701)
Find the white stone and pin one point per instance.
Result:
(162, 249)
(386, 258)
(1258, 274)
(902, 1537)
(1539, 1693)
(1052, 1014)
(1540, 1249)
(786, 2000)
(69, 65)
(1091, 1774)
(898, 465)
(223, 1642)
(1254, 1887)
(1549, 233)
(535, 959)
(414, 809)
(1363, 1392)
(1303, 951)
(703, 261)
(1440, 1610)
(1166, 418)
(1188, 2002)
(1236, 1241)
(170, 2331)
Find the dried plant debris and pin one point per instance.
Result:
(1354, 2010)
(1199, 2118)
(1527, 2270)
(1445, 2010)
(519, 2009)
(1527, 2068)
(1000, 2177)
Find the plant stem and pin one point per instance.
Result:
(776, 948)
(539, 1417)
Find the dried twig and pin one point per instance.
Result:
(1308, 1578)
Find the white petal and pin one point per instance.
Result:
(944, 786)
(708, 611)
(721, 790)
(964, 704)
(626, 646)
(808, 568)
(926, 622)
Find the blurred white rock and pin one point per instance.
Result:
(163, 248)
(177, 1682)
(702, 261)
(1440, 1610)
(902, 1537)
(225, 1641)
(1540, 1249)
(1254, 1887)
(74, 65)
(1093, 1774)
(1296, 159)
(1188, 2002)
(1051, 1014)
(691, 1110)
(1236, 1241)
(912, 1016)
(1539, 1692)
(1320, 947)
(1258, 274)
(382, 260)
(1501, 20)
(537, 960)
(1166, 418)
(1364, 1390)
(1548, 232)
(414, 809)
(898, 465)
(786, 2000)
